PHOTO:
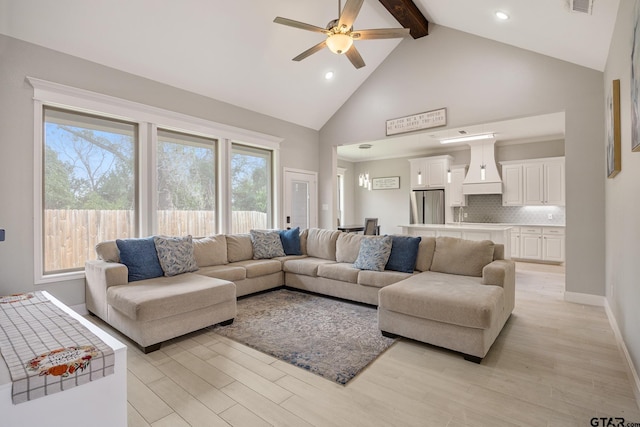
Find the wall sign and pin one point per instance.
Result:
(426, 120)
(388, 183)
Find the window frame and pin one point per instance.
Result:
(149, 119)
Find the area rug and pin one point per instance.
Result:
(331, 338)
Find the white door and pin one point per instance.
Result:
(300, 207)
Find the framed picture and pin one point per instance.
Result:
(635, 81)
(388, 183)
(614, 161)
(426, 120)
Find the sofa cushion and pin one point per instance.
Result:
(459, 256)
(447, 298)
(305, 266)
(426, 248)
(374, 253)
(260, 267)
(140, 257)
(348, 247)
(344, 272)
(379, 279)
(404, 252)
(108, 251)
(322, 243)
(162, 297)
(266, 244)
(210, 250)
(239, 247)
(229, 272)
(291, 241)
(175, 254)
(304, 234)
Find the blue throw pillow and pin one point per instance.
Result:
(291, 241)
(140, 257)
(404, 252)
(374, 253)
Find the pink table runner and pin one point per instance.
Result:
(46, 350)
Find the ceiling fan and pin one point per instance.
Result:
(340, 33)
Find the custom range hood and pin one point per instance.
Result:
(482, 176)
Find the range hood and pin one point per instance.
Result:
(482, 176)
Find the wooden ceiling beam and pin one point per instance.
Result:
(409, 16)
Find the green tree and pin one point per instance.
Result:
(58, 182)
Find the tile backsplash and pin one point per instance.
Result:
(488, 208)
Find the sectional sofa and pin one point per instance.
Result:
(449, 292)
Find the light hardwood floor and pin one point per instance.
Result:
(554, 364)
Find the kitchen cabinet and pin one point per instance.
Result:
(531, 243)
(429, 172)
(456, 197)
(539, 243)
(535, 182)
(553, 244)
(515, 242)
(512, 185)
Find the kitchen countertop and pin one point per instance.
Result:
(464, 225)
(509, 224)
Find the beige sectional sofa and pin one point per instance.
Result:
(459, 295)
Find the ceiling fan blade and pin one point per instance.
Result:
(354, 57)
(298, 24)
(383, 33)
(311, 51)
(349, 13)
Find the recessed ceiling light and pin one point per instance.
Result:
(328, 75)
(502, 15)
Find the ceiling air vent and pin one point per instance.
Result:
(582, 6)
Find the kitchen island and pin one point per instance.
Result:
(494, 232)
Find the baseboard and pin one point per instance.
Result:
(631, 369)
(81, 309)
(586, 299)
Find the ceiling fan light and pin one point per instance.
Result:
(339, 43)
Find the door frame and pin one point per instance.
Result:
(313, 201)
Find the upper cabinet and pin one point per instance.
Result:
(533, 182)
(456, 196)
(429, 172)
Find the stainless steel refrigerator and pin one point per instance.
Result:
(427, 207)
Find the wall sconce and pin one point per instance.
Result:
(483, 172)
(448, 176)
(419, 178)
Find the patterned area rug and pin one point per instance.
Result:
(331, 338)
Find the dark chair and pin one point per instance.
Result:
(370, 226)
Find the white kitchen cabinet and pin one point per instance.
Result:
(535, 182)
(515, 242)
(429, 172)
(531, 243)
(554, 182)
(553, 244)
(539, 243)
(512, 185)
(456, 197)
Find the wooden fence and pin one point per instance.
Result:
(70, 236)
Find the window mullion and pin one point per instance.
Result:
(224, 190)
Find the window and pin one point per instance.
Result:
(89, 186)
(251, 201)
(108, 168)
(186, 184)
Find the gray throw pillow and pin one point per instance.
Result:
(266, 244)
(175, 254)
(374, 253)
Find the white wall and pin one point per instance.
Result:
(481, 81)
(622, 198)
(19, 59)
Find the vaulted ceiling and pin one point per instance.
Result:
(233, 52)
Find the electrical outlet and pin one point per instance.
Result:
(465, 214)
(550, 216)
